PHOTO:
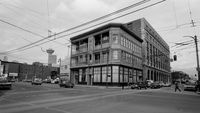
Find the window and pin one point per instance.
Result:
(122, 40)
(115, 70)
(131, 45)
(97, 74)
(105, 57)
(106, 70)
(97, 58)
(115, 54)
(121, 75)
(115, 38)
(105, 37)
(125, 75)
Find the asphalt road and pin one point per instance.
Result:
(49, 98)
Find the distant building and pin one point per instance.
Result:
(22, 71)
(108, 55)
(155, 51)
(52, 59)
(65, 67)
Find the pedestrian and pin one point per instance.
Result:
(177, 86)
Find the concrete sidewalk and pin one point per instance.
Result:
(172, 90)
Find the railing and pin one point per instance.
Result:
(97, 46)
(97, 61)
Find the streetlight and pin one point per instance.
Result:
(197, 54)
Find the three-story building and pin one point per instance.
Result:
(110, 54)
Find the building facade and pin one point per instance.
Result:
(21, 71)
(108, 55)
(155, 51)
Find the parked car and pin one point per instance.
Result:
(4, 83)
(167, 85)
(66, 83)
(155, 85)
(149, 82)
(46, 80)
(139, 85)
(161, 84)
(55, 81)
(134, 86)
(36, 81)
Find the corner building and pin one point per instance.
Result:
(155, 51)
(108, 55)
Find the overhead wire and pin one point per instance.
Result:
(97, 19)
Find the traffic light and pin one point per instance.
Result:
(175, 58)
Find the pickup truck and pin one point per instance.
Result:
(4, 83)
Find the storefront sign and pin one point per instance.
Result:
(13, 74)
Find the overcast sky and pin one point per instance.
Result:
(171, 19)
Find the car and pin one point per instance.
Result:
(155, 85)
(161, 84)
(166, 85)
(134, 86)
(149, 82)
(66, 83)
(46, 80)
(36, 81)
(55, 81)
(4, 83)
(190, 87)
(139, 85)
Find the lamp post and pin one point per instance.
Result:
(197, 54)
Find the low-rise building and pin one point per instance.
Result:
(108, 55)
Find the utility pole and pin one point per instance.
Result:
(59, 60)
(197, 54)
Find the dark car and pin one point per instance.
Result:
(155, 85)
(66, 83)
(36, 81)
(134, 86)
(4, 83)
(139, 85)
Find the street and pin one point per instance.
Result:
(25, 98)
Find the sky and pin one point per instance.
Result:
(171, 19)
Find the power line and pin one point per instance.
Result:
(33, 33)
(21, 28)
(89, 27)
(97, 19)
(26, 8)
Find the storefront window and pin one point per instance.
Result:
(121, 75)
(97, 74)
(115, 72)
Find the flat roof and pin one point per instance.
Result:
(105, 27)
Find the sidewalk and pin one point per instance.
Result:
(172, 90)
(100, 87)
